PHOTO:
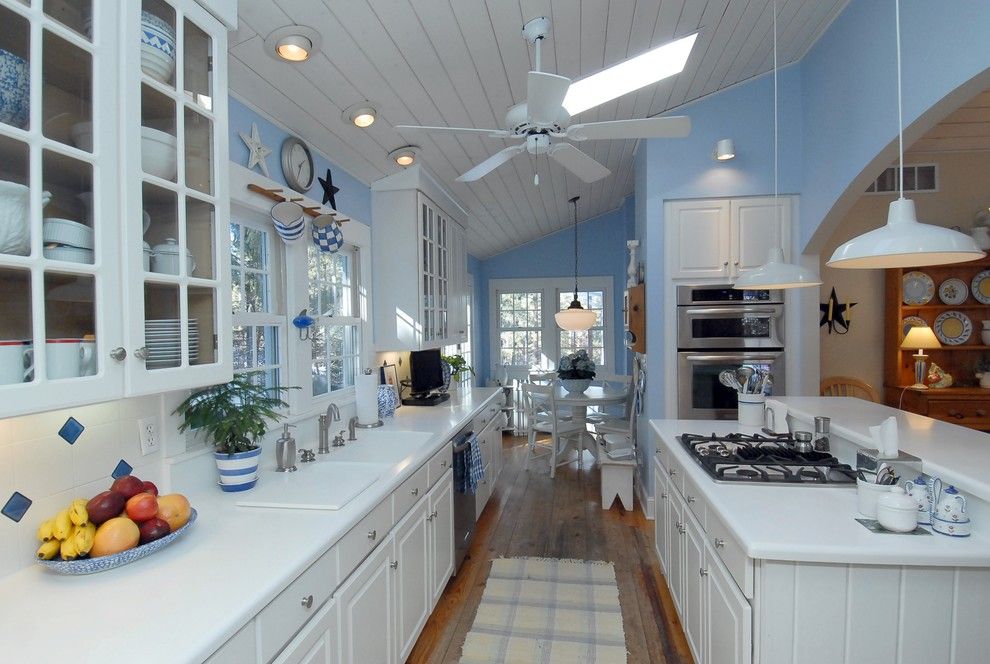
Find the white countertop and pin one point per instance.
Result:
(807, 523)
(185, 601)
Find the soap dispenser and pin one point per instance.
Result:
(285, 451)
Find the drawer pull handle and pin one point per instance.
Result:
(659, 451)
(443, 464)
(664, 496)
(433, 515)
(372, 534)
(703, 572)
(691, 499)
(956, 414)
(719, 543)
(394, 564)
(981, 412)
(415, 491)
(673, 472)
(307, 601)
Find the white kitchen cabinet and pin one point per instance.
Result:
(723, 238)
(412, 577)
(729, 627)
(441, 518)
(415, 232)
(675, 571)
(693, 605)
(73, 329)
(317, 643)
(661, 525)
(367, 610)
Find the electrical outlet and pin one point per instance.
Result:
(150, 434)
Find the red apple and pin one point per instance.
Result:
(153, 529)
(104, 506)
(127, 486)
(142, 506)
(150, 487)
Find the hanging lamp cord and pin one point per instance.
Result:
(900, 111)
(574, 201)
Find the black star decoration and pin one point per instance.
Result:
(835, 315)
(329, 191)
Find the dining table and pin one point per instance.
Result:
(579, 402)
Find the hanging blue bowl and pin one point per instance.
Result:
(327, 234)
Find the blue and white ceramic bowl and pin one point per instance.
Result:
(157, 47)
(103, 563)
(328, 238)
(15, 80)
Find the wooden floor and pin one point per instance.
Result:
(531, 515)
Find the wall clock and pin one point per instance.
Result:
(297, 165)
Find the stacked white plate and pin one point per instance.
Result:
(164, 342)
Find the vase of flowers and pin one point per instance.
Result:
(576, 371)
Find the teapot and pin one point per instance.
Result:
(984, 376)
(918, 491)
(949, 516)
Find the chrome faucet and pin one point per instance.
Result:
(332, 415)
(351, 423)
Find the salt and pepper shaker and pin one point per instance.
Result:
(821, 443)
(802, 442)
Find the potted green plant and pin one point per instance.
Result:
(576, 371)
(234, 415)
(458, 368)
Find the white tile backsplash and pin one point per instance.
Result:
(41, 465)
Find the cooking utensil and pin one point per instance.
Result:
(728, 378)
(743, 374)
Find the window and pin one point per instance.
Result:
(336, 340)
(917, 177)
(259, 322)
(592, 340)
(520, 328)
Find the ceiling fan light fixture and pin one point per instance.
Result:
(362, 114)
(642, 70)
(725, 150)
(292, 43)
(404, 156)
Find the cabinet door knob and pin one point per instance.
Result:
(680, 527)
(372, 534)
(118, 354)
(443, 464)
(673, 472)
(141, 353)
(956, 414)
(691, 499)
(736, 263)
(415, 491)
(659, 451)
(663, 496)
(434, 514)
(307, 601)
(725, 264)
(394, 564)
(703, 572)
(719, 543)
(981, 412)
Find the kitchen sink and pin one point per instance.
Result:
(315, 486)
(374, 445)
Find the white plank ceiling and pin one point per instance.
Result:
(464, 63)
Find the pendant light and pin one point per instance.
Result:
(575, 317)
(775, 273)
(904, 241)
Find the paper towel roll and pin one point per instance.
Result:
(366, 397)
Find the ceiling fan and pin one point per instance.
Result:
(542, 121)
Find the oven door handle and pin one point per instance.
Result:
(733, 357)
(734, 311)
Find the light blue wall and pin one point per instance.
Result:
(602, 247)
(354, 197)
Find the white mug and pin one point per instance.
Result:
(16, 361)
(64, 357)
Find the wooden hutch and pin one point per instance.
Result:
(965, 403)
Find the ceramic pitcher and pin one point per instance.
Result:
(918, 490)
(951, 505)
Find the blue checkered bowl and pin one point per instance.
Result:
(103, 563)
(14, 89)
(328, 238)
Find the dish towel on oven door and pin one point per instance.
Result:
(469, 468)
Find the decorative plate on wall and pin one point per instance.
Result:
(953, 328)
(911, 321)
(918, 288)
(953, 291)
(981, 287)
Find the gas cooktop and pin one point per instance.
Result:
(737, 457)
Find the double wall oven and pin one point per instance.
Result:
(721, 328)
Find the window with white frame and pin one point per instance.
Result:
(525, 334)
(258, 315)
(336, 340)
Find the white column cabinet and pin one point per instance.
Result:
(412, 576)
(729, 627)
(662, 525)
(675, 573)
(693, 605)
(723, 238)
(367, 610)
(441, 518)
(317, 643)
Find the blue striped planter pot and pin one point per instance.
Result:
(238, 471)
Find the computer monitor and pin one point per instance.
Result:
(426, 370)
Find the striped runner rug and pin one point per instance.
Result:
(546, 610)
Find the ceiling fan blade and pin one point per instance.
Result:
(490, 164)
(544, 94)
(676, 126)
(578, 162)
(494, 133)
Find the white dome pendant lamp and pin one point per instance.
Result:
(575, 317)
(776, 273)
(904, 241)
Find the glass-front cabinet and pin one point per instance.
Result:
(434, 228)
(100, 163)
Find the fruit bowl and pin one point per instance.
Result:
(103, 563)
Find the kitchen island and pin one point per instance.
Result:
(784, 573)
(248, 579)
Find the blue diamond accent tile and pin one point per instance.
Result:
(16, 506)
(123, 468)
(71, 430)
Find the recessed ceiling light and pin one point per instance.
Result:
(404, 156)
(293, 43)
(362, 114)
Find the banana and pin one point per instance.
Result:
(82, 537)
(63, 525)
(49, 549)
(45, 530)
(78, 514)
(80, 501)
(68, 549)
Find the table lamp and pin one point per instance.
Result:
(921, 337)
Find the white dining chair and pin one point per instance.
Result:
(620, 434)
(616, 382)
(543, 416)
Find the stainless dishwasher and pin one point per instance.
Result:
(464, 505)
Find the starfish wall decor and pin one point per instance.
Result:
(836, 315)
(258, 151)
(329, 191)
